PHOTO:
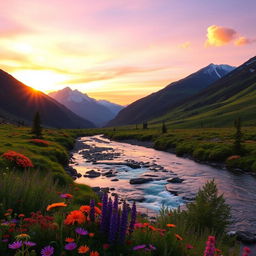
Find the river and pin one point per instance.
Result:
(239, 189)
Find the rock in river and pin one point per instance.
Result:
(246, 237)
(140, 180)
(175, 180)
(92, 174)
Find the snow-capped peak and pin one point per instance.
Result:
(218, 69)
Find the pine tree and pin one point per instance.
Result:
(145, 125)
(164, 128)
(209, 210)
(238, 136)
(36, 127)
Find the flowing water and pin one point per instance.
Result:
(239, 189)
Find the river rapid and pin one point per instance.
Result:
(116, 163)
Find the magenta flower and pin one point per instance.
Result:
(139, 247)
(70, 246)
(30, 244)
(15, 245)
(81, 231)
(47, 251)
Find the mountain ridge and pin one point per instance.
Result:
(158, 103)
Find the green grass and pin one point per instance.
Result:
(204, 144)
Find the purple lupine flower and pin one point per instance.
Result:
(92, 210)
(47, 251)
(5, 240)
(139, 247)
(81, 231)
(15, 245)
(70, 246)
(123, 223)
(210, 246)
(113, 228)
(104, 212)
(133, 218)
(29, 243)
(109, 215)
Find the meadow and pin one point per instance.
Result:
(44, 212)
(216, 145)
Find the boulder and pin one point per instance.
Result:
(92, 174)
(246, 237)
(175, 180)
(115, 180)
(140, 180)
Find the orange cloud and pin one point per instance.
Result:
(244, 41)
(218, 36)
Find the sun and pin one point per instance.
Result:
(41, 80)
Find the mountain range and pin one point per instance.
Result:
(163, 101)
(220, 104)
(98, 112)
(19, 102)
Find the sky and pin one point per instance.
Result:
(121, 50)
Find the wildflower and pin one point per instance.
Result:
(18, 159)
(81, 231)
(70, 246)
(91, 234)
(30, 244)
(66, 196)
(75, 217)
(105, 246)
(85, 208)
(51, 206)
(69, 240)
(189, 246)
(139, 247)
(246, 251)
(94, 253)
(92, 211)
(210, 246)
(47, 251)
(21, 215)
(123, 223)
(15, 245)
(171, 225)
(40, 142)
(83, 249)
(133, 218)
(113, 228)
(104, 216)
(178, 237)
(22, 237)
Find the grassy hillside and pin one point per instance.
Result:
(231, 97)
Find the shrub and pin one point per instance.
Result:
(17, 159)
(209, 210)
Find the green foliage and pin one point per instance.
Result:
(238, 137)
(36, 127)
(26, 191)
(209, 210)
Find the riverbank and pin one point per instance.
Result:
(213, 146)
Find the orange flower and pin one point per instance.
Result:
(85, 208)
(51, 206)
(69, 240)
(83, 249)
(152, 228)
(91, 234)
(171, 225)
(97, 210)
(75, 217)
(94, 253)
(178, 237)
(100, 204)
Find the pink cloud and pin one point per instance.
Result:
(241, 41)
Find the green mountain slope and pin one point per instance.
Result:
(219, 105)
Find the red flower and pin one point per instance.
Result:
(40, 142)
(18, 159)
